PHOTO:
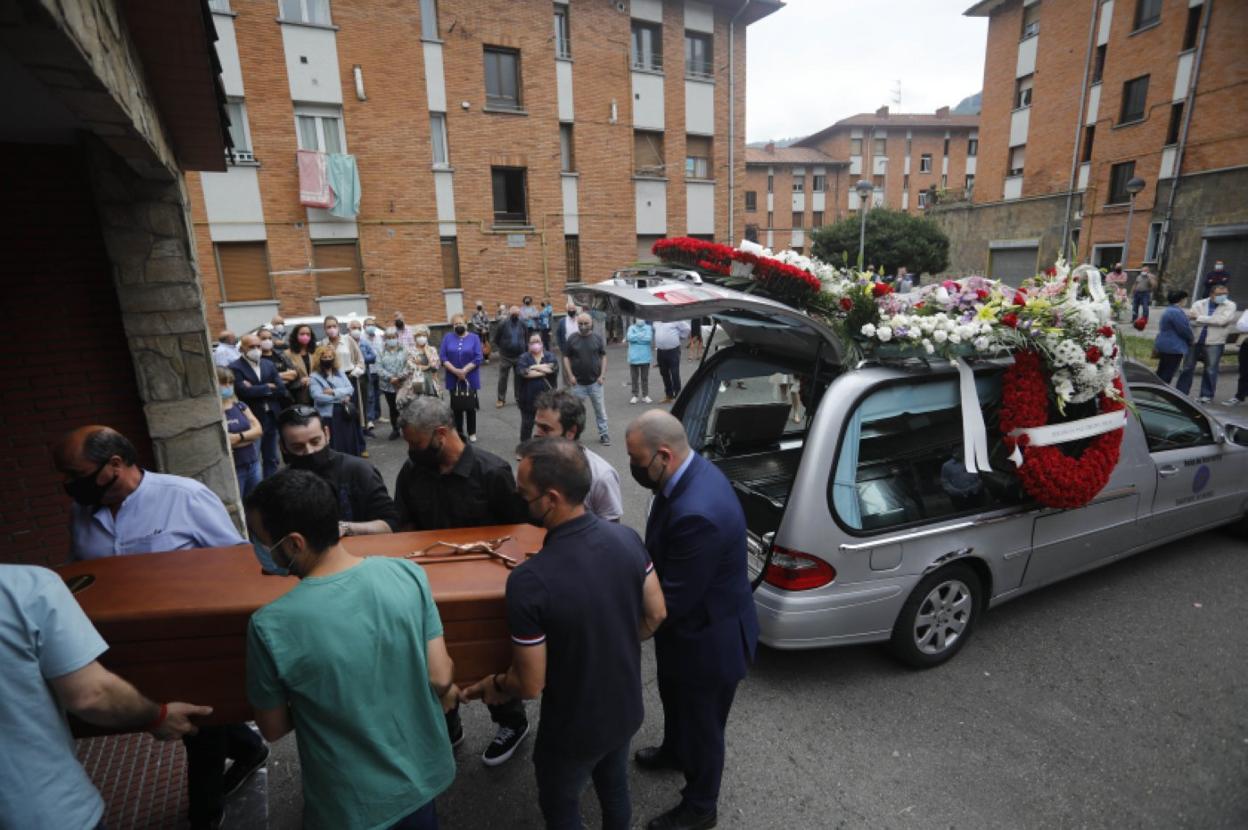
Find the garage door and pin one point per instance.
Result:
(1013, 265)
(1233, 251)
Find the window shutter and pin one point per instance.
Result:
(343, 255)
(244, 271)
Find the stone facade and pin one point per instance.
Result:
(972, 229)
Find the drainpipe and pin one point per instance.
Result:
(732, 123)
(1083, 102)
(1189, 105)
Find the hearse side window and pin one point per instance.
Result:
(901, 458)
(1169, 423)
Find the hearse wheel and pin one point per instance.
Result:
(938, 617)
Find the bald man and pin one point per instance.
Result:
(257, 384)
(225, 350)
(121, 509)
(696, 538)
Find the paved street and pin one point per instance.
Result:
(1113, 700)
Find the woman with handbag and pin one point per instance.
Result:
(423, 363)
(538, 373)
(461, 355)
(392, 374)
(332, 393)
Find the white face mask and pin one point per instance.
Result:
(422, 340)
(357, 333)
(266, 345)
(253, 355)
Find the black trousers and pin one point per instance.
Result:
(1241, 388)
(669, 370)
(205, 764)
(1167, 365)
(694, 718)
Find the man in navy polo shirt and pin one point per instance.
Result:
(577, 613)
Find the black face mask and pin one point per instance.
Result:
(400, 325)
(314, 462)
(86, 491)
(430, 457)
(327, 365)
(537, 521)
(460, 329)
(641, 475)
(515, 316)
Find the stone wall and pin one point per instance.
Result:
(971, 227)
(1203, 199)
(147, 232)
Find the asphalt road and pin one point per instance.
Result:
(1115, 699)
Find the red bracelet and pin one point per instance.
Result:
(160, 718)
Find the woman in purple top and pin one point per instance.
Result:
(461, 355)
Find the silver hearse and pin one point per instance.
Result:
(863, 525)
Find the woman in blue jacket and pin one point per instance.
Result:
(1174, 336)
(640, 336)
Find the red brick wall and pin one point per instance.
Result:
(68, 362)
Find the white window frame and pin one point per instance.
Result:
(922, 199)
(819, 183)
(304, 17)
(321, 115)
(429, 20)
(925, 163)
(438, 135)
(563, 32)
(567, 148)
(1154, 241)
(1011, 170)
(245, 154)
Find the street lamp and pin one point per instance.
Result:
(865, 189)
(1134, 186)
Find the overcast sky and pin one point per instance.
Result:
(817, 61)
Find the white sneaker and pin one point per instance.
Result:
(646, 399)
(472, 438)
(1232, 402)
(1203, 399)
(633, 399)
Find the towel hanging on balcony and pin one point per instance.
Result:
(314, 180)
(344, 181)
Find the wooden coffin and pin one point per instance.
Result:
(176, 623)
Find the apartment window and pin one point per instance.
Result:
(799, 182)
(925, 163)
(771, 183)
(1134, 97)
(855, 146)
(771, 219)
(972, 146)
(337, 267)
(306, 11)
(567, 149)
(880, 148)
(502, 78)
(698, 56)
(572, 257)
(970, 184)
(798, 219)
(751, 201)
(944, 182)
(1153, 243)
(219, 5)
(946, 150)
(510, 198)
(922, 199)
(647, 46)
(1098, 65)
(877, 182)
(1147, 12)
(1119, 175)
(450, 262)
(1017, 158)
(648, 154)
(751, 233)
(1022, 92)
(818, 183)
(320, 131)
(1193, 26)
(697, 157)
(1176, 123)
(563, 35)
(1089, 138)
(905, 182)
(437, 133)
(238, 130)
(909, 144)
(244, 271)
(1031, 21)
(816, 219)
(429, 19)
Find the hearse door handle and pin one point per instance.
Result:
(1167, 471)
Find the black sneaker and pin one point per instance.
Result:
(241, 770)
(454, 727)
(504, 745)
(605, 440)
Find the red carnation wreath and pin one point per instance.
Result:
(1049, 475)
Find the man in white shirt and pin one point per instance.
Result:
(667, 337)
(1212, 318)
(225, 351)
(560, 414)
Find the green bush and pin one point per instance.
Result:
(894, 238)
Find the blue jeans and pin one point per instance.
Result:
(268, 443)
(426, 818)
(1140, 301)
(593, 391)
(1208, 378)
(248, 478)
(374, 398)
(561, 780)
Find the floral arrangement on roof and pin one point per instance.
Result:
(1058, 326)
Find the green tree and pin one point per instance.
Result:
(894, 238)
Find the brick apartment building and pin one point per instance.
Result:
(908, 158)
(1080, 97)
(790, 191)
(504, 147)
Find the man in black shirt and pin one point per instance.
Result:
(447, 483)
(577, 613)
(364, 505)
(585, 361)
(511, 339)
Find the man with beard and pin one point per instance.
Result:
(448, 483)
(364, 505)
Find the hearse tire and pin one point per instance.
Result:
(939, 617)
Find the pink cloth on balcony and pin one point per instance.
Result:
(314, 180)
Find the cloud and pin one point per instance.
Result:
(817, 61)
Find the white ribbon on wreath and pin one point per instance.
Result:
(1067, 431)
(974, 431)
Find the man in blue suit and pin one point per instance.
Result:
(696, 538)
(257, 384)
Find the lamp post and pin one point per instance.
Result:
(1134, 186)
(865, 189)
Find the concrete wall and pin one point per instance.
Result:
(972, 228)
(1202, 201)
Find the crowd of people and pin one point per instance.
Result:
(1199, 333)
(359, 642)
